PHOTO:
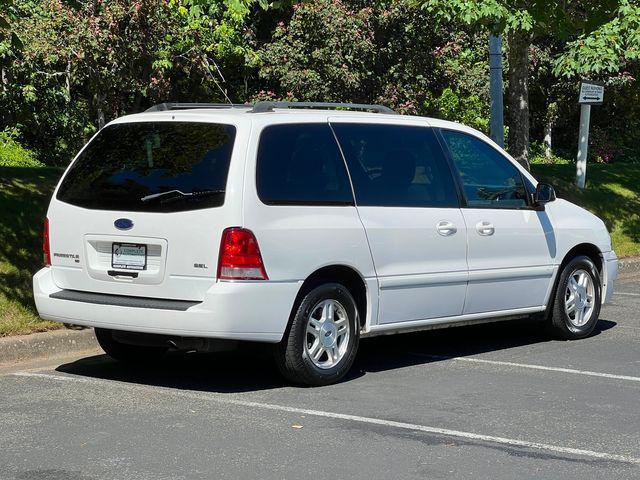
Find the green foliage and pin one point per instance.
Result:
(325, 52)
(469, 110)
(495, 14)
(608, 48)
(538, 156)
(211, 43)
(384, 52)
(24, 196)
(8, 39)
(551, 18)
(85, 63)
(67, 66)
(12, 154)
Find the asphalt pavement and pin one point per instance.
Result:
(496, 401)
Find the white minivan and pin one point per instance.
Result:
(308, 226)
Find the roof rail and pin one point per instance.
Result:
(261, 107)
(162, 107)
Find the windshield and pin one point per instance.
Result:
(130, 161)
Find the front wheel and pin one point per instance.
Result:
(322, 340)
(577, 301)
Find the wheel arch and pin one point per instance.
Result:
(587, 249)
(338, 273)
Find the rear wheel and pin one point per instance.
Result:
(323, 337)
(125, 352)
(577, 301)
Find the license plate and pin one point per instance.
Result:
(129, 256)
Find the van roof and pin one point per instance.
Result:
(294, 110)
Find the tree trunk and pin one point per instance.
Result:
(549, 123)
(98, 101)
(518, 139)
(67, 80)
(100, 118)
(5, 80)
(548, 150)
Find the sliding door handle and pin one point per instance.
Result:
(446, 228)
(485, 228)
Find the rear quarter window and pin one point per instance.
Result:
(300, 164)
(127, 162)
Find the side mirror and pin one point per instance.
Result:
(544, 193)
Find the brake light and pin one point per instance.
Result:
(45, 244)
(240, 257)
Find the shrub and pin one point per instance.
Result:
(12, 154)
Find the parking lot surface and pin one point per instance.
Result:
(489, 401)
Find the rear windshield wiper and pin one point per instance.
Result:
(176, 194)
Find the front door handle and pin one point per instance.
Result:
(446, 228)
(485, 228)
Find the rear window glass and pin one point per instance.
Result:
(300, 164)
(152, 166)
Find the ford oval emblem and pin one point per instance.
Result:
(123, 224)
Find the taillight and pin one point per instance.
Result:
(45, 244)
(240, 257)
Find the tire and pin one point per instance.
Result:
(575, 318)
(298, 356)
(127, 353)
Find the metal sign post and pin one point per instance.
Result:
(591, 93)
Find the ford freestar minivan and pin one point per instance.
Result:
(308, 227)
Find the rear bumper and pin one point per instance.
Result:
(610, 274)
(255, 311)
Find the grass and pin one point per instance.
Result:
(613, 193)
(24, 195)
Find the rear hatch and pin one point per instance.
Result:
(141, 210)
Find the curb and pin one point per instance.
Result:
(46, 345)
(629, 265)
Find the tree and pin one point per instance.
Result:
(525, 21)
(367, 52)
(607, 49)
(80, 64)
(213, 48)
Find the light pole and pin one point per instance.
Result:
(496, 90)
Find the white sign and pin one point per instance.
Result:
(591, 93)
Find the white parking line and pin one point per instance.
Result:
(626, 293)
(359, 419)
(533, 367)
(62, 378)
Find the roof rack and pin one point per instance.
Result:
(162, 107)
(268, 106)
(261, 107)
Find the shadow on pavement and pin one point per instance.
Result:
(251, 367)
